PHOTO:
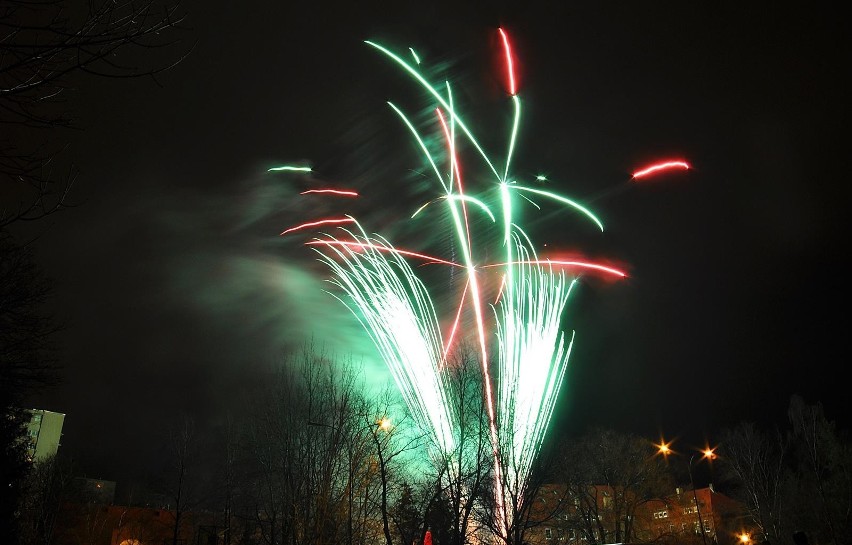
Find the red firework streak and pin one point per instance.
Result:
(660, 167)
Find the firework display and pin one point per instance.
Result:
(522, 317)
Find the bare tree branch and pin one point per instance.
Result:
(45, 46)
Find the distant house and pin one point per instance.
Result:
(97, 491)
(702, 513)
(698, 517)
(95, 524)
(44, 432)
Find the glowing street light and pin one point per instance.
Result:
(708, 454)
(383, 423)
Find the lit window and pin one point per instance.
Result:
(548, 533)
(661, 514)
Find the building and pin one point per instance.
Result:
(98, 491)
(702, 517)
(711, 516)
(97, 524)
(44, 432)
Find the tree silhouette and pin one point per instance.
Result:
(26, 364)
(47, 48)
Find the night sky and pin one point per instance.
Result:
(177, 291)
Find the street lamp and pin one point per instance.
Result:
(707, 453)
(384, 424)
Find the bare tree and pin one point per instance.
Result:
(824, 472)
(229, 470)
(27, 354)
(181, 479)
(46, 46)
(49, 483)
(27, 364)
(274, 462)
(311, 449)
(458, 486)
(520, 503)
(392, 441)
(754, 462)
(609, 475)
(505, 502)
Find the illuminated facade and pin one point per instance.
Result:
(688, 512)
(703, 516)
(44, 432)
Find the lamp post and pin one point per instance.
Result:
(708, 454)
(383, 424)
(695, 498)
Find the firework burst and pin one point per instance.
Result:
(376, 282)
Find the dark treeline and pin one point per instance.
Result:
(311, 459)
(795, 480)
(48, 50)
